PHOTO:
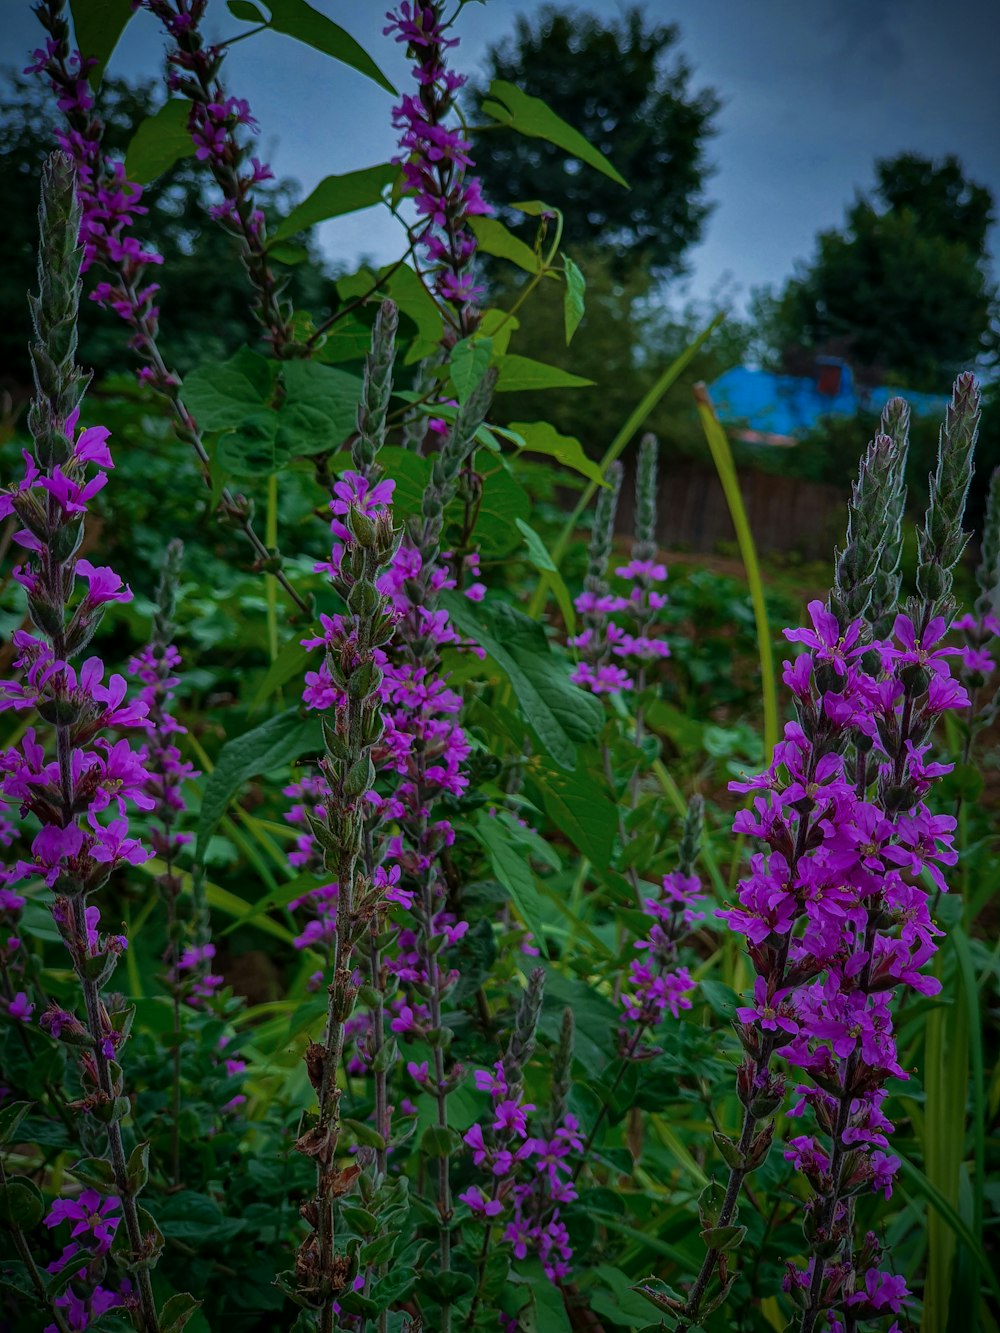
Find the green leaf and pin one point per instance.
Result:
(534, 119)
(348, 340)
(537, 208)
(500, 326)
(289, 663)
(222, 394)
(467, 364)
(320, 409)
(722, 999)
(11, 1117)
(439, 1141)
(137, 1171)
(519, 374)
(287, 252)
(574, 296)
(191, 1216)
(415, 301)
(557, 710)
(296, 19)
(546, 1311)
(252, 448)
(245, 11)
(513, 872)
(273, 744)
(97, 26)
(579, 808)
(615, 1299)
(294, 888)
(493, 238)
(541, 438)
(410, 472)
(95, 1172)
(177, 1311)
(336, 195)
(161, 140)
(538, 554)
(504, 503)
(21, 1204)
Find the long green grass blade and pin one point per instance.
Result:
(941, 1205)
(724, 466)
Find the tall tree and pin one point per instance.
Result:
(903, 289)
(626, 88)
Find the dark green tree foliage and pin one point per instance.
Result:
(203, 287)
(903, 289)
(628, 336)
(625, 87)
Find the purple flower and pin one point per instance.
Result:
(21, 1008)
(480, 1205)
(91, 1218)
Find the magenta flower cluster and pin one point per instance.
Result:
(435, 158)
(614, 654)
(420, 756)
(530, 1174)
(111, 203)
(93, 1221)
(656, 982)
(836, 917)
(92, 775)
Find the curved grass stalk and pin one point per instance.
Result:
(723, 459)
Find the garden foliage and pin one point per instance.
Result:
(408, 923)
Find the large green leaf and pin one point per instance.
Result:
(416, 302)
(560, 714)
(513, 871)
(320, 407)
(273, 744)
(223, 395)
(467, 364)
(580, 808)
(161, 140)
(538, 554)
(296, 19)
(535, 119)
(520, 373)
(252, 448)
(97, 25)
(503, 504)
(574, 298)
(411, 473)
(493, 238)
(336, 195)
(541, 438)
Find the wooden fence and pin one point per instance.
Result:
(786, 514)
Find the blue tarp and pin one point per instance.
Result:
(781, 408)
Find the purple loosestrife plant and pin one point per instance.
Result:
(214, 123)
(835, 911)
(110, 203)
(436, 160)
(80, 796)
(615, 656)
(322, 1271)
(419, 756)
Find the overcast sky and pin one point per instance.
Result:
(814, 91)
